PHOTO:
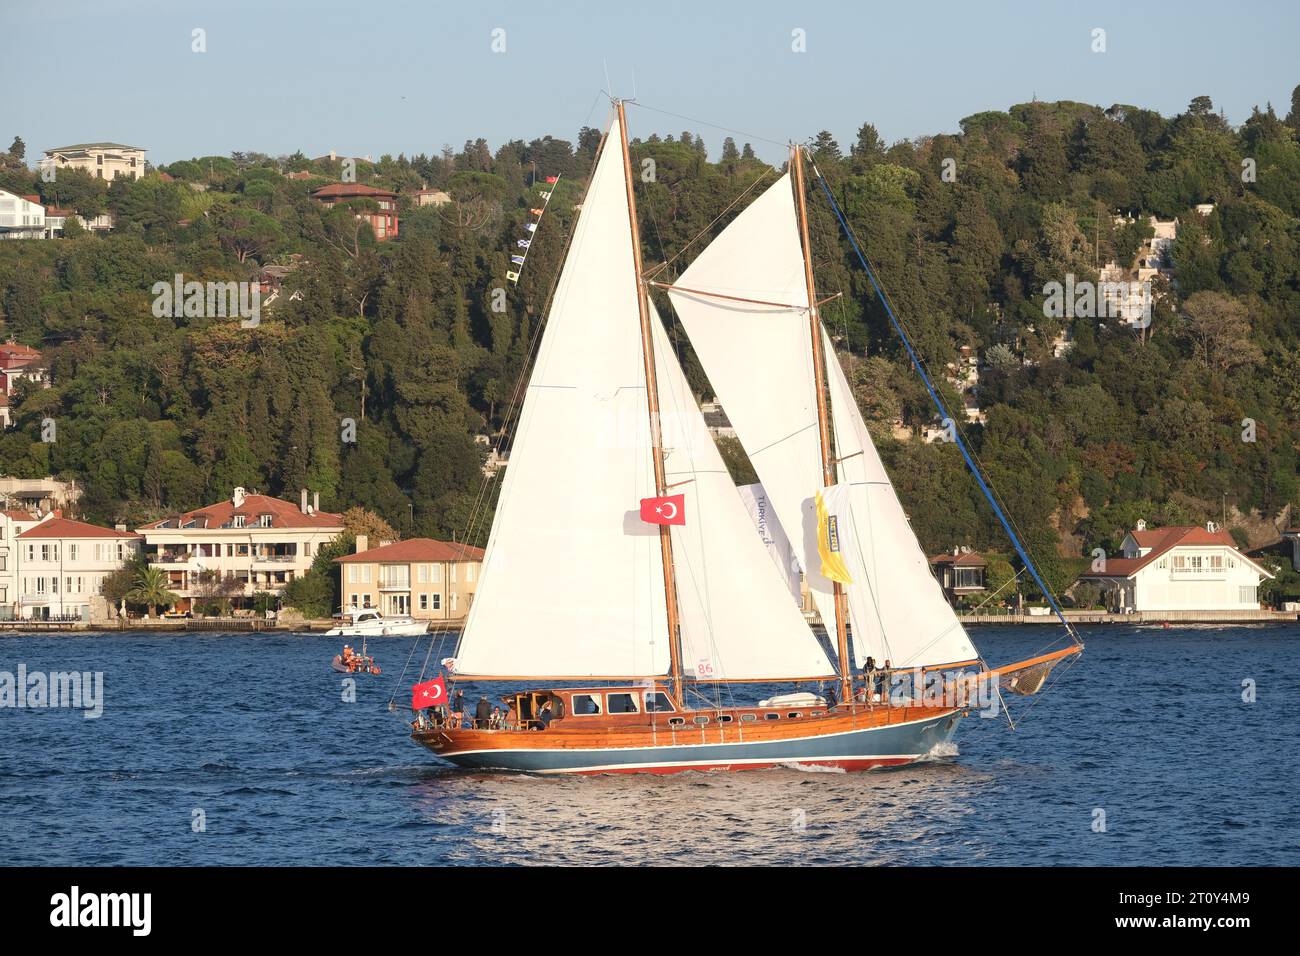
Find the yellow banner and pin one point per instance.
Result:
(828, 537)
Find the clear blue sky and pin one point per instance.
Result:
(389, 76)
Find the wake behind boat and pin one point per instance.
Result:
(681, 595)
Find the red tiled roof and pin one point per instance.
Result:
(16, 515)
(67, 528)
(1161, 541)
(15, 350)
(418, 549)
(969, 559)
(351, 189)
(284, 514)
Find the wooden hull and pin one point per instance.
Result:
(876, 737)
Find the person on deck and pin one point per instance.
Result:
(546, 716)
(458, 703)
(482, 713)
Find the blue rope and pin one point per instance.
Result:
(938, 402)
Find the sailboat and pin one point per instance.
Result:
(617, 626)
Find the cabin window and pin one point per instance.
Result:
(620, 703)
(700, 721)
(676, 721)
(585, 704)
(748, 718)
(724, 718)
(795, 713)
(657, 702)
(771, 716)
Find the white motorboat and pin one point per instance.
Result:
(368, 622)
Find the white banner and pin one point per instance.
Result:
(773, 535)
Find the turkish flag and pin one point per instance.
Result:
(428, 694)
(669, 510)
(552, 179)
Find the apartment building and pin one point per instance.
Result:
(257, 542)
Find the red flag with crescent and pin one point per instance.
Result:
(668, 510)
(428, 694)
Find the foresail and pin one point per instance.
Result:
(759, 360)
(897, 608)
(572, 582)
(737, 619)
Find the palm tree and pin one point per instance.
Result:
(151, 590)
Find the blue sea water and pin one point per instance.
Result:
(1149, 728)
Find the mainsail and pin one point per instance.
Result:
(572, 582)
(754, 346)
(737, 619)
(758, 356)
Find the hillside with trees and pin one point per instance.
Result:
(965, 230)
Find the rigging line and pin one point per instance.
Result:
(398, 683)
(1013, 580)
(725, 129)
(957, 426)
(709, 228)
(961, 445)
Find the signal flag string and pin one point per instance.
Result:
(517, 259)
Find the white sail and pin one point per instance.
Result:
(897, 608)
(759, 361)
(737, 619)
(572, 582)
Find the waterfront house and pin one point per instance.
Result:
(61, 564)
(960, 573)
(20, 217)
(382, 220)
(105, 161)
(13, 522)
(255, 542)
(1178, 568)
(427, 579)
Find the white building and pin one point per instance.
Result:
(20, 217)
(61, 564)
(13, 522)
(257, 542)
(1179, 569)
(105, 161)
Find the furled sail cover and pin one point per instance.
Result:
(572, 582)
(737, 619)
(897, 608)
(759, 361)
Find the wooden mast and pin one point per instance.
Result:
(652, 404)
(823, 420)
